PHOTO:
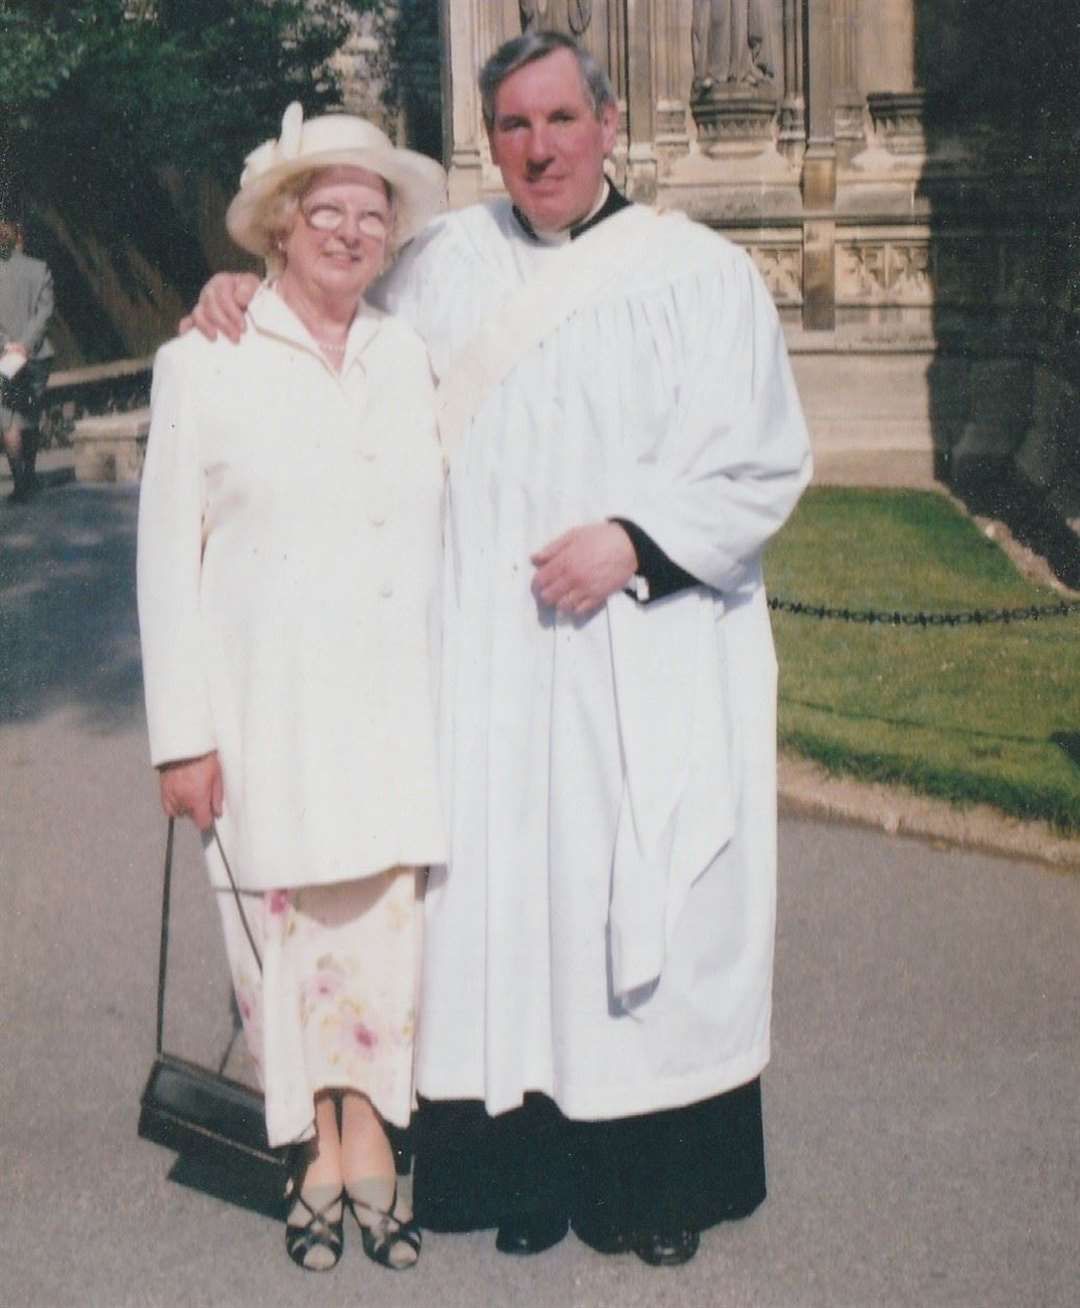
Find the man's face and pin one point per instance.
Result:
(548, 142)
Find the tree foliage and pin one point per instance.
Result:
(114, 113)
(98, 95)
(414, 84)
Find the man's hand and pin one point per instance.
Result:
(578, 571)
(221, 306)
(192, 787)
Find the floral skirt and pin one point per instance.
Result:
(334, 1007)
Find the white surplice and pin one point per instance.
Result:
(603, 931)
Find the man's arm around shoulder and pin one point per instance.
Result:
(222, 305)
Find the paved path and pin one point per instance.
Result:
(922, 1113)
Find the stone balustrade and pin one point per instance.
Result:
(111, 447)
(76, 393)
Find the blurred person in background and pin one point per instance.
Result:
(26, 305)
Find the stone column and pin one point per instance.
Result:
(819, 174)
(850, 133)
(459, 79)
(672, 137)
(792, 141)
(471, 31)
(641, 164)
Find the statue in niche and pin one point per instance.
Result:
(734, 45)
(535, 15)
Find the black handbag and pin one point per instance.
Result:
(194, 1110)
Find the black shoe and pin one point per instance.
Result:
(602, 1239)
(531, 1233)
(25, 490)
(319, 1231)
(387, 1240)
(667, 1248)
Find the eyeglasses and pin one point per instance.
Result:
(331, 218)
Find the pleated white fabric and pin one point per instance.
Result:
(578, 753)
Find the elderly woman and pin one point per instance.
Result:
(289, 534)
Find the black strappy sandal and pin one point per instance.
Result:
(319, 1231)
(383, 1233)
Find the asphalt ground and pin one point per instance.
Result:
(922, 1115)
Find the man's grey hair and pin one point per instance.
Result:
(522, 50)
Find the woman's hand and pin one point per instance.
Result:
(192, 787)
(221, 307)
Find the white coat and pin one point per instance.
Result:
(641, 738)
(288, 565)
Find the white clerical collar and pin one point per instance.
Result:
(564, 234)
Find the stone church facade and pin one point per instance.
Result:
(903, 173)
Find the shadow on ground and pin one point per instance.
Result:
(237, 1181)
(68, 630)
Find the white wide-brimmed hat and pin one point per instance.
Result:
(334, 140)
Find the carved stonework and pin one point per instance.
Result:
(793, 120)
(860, 273)
(781, 268)
(885, 272)
(899, 120)
(733, 120)
(849, 122)
(909, 275)
(736, 51)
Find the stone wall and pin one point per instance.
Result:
(903, 174)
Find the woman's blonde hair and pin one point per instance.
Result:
(278, 214)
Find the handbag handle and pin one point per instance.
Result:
(163, 948)
(163, 951)
(236, 896)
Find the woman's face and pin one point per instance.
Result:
(338, 242)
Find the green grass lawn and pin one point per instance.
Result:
(985, 714)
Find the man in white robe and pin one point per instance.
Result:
(598, 951)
